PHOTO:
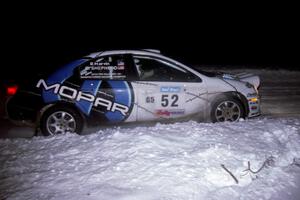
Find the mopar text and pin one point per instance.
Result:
(76, 95)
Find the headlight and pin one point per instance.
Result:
(249, 85)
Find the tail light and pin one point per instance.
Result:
(11, 90)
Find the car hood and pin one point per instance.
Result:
(244, 77)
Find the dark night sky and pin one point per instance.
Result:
(43, 39)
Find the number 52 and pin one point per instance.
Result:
(166, 99)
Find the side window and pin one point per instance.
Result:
(152, 69)
(114, 67)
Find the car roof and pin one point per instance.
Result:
(143, 52)
(149, 52)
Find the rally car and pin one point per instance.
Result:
(112, 87)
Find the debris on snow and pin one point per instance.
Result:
(230, 173)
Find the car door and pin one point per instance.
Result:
(165, 90)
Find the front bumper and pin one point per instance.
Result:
(254, 106)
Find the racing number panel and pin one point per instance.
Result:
(164, 89)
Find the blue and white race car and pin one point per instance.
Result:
(111, 87)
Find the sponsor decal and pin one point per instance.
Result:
(116, 105)
(73, 94)
(254, 107)
(116, 109)
(169, 113)
(60, 76)
(171, 89)
(103, 69)
(150, 100)
(145, 83)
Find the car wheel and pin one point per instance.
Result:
(59, 120)
(227, 109)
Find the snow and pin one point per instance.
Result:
(162, 161)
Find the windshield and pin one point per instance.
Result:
(209, 74)
(185, 62)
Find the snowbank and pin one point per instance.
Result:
(165, 161)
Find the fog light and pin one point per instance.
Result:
(253, 100)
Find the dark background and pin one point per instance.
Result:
(38, 39)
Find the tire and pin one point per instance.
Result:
(59, 120)
(227, 109)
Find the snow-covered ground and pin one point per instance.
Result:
(167, 161)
